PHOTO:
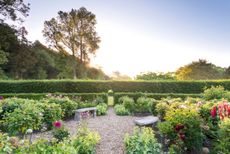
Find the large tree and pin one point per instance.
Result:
(199, 70)
(13, 9)
(73, 32)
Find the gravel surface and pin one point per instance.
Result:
(112, 129)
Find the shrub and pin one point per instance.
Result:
(51, 112)
(86, 104)
(86, 141)
(87, 86)
(68, 106)
(161, 109)
(127, 102)
(142, 142)
(102, 109)
(222, 144)
(217, 92)
(21, 119)
(144, 104)
(121, 110)
(60, 132)
(10, 104)
(182, 128)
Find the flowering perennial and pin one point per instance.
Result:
(222, 110)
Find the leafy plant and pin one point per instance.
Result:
(161, 109)
(68, 106)
(102, 109)
(217, 92)
(127, 102)
(86, 141)
(182, 127)
(142, 142)
(21, 119)
(121, 110)
(144, 104)
(223, 141)
(51, 113)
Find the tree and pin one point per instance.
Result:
(227, 73)
(73, 32)
(13, 9)
(199, 70)
(118, 76)
(155, 76)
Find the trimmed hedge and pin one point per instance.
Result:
(38, 96)
(90, 86)
(156, 96)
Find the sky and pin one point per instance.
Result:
(147, 35)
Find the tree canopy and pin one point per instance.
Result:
(200, 70)
(13, 9)
(73, 32)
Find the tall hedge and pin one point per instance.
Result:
(88, 86)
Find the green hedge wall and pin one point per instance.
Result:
(37, 96)
(88, 86)
(156, 96)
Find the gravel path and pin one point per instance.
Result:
(112, 129)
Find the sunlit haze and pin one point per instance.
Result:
(148, 35)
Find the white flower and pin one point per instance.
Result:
(29, 131)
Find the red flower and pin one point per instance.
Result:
(179, 127)
(182, 136)
(57, 124)
(229, 111)
(213, 112)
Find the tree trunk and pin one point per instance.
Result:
(74, 68)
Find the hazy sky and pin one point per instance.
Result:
(148, 35)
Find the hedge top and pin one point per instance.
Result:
(95, 86)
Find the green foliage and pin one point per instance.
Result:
(182, 127)
(51, 113)
(60, 134)
(78, 22)
(68, 106)
(199, 70)
(161, 109)
(88, 86)
(102, 109)
(85, 141)
(142, 142)
(222, 143)
(10, 9)
(217, 92)
(127, 102)
(121, 110)
(28, 116)
(155, 76)
(144, 104)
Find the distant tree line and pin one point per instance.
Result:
(72, 36)
(197, 70)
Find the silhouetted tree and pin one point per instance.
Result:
(73, 32)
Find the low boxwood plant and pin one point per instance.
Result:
(142, 142)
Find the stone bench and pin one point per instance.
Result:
(77, 116)
(145, 121)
